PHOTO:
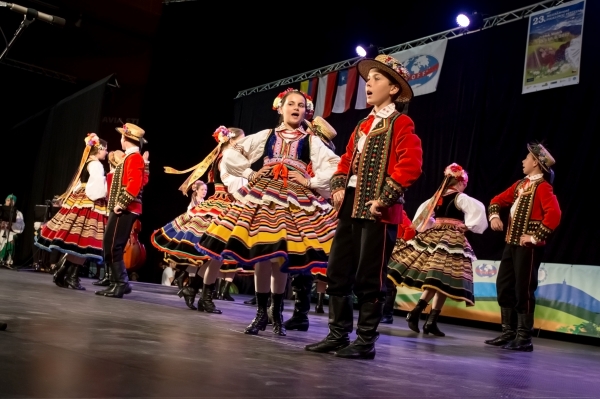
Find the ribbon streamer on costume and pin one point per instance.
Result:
(198, 170)
(281, 170)
(421, 220)
(75, 180)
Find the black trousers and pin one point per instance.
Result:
(518, 277)
(116, 234)
(359, 255)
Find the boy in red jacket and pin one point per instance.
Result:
(534, 215)
(125, 206)
(382, 159)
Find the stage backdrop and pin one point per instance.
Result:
(51, 146)
(479, 118)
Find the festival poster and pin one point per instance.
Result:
(553, 54)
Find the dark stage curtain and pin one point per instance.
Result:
(50, 146)
(479, 119)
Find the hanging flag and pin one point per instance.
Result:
(327, 85)
(309, 87)
(345, 88)
(424, 64)
(361, 94)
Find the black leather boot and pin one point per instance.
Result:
(224, 295)
(340, 325)
(430, 326)
(363, 346)
(251, 301)
(189, 292)
(3, 326)
(509, 328)
(181, 279)
(522, 342)
(390, 300)
(62, 267)
(260, 320)
(105, 281)
(120, 282)
(319, 307)
(301, 286)
(72, 279)
(217, 289)
(206, 304)
(413, 316)
(277, 308)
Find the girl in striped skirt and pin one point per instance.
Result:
(438, 260)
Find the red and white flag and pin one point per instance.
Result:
(346, 83)
(325, 91)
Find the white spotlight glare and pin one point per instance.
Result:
(463, 21)
(361, 51)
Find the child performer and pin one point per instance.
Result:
(534, 215)
(281, 222)
(439, 259)
(382, 159)
(78, 228)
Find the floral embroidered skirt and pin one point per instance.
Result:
(439, 258)
(179, 237)
(77, 228)
(271, 219)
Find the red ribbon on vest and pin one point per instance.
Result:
(281, 170)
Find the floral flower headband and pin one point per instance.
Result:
(93, 140)
(222, 135)
(456, 171)
(310, 108)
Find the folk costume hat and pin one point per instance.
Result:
(222, 135)
(392, 67)
(116, 157)
(310, 107)
(541, 154)
(133, 132)
(91, 140)
(323, 130)
(453, 170)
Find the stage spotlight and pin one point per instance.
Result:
(473, 21)
(369, 52)
(462, 20)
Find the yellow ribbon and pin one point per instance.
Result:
(75, 180)
(421, 220)
(198, 170)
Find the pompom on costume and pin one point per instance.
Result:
(440, 256)
(178, 238)
(78, 228)
(273, 216)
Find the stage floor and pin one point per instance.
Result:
(62, 343)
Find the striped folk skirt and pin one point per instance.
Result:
(178, 238)
(271, 219)
(78, 228)
(439, 258)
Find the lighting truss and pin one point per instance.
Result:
(39, 70)
(489, 22)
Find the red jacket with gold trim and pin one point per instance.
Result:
(128, 181)
(537, 212)
(390, 161)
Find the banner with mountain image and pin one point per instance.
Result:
(424, 64)
(567, 298)
(553, 53)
